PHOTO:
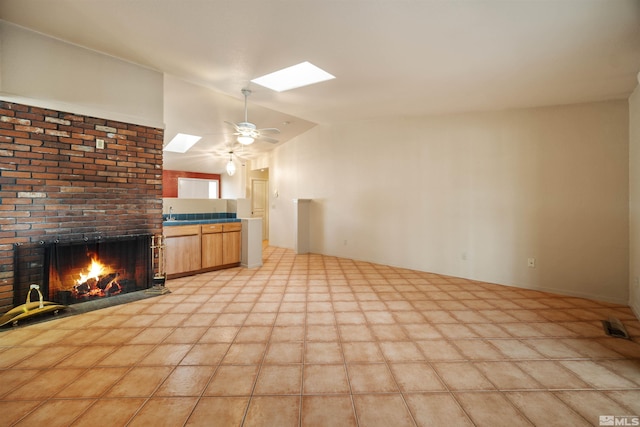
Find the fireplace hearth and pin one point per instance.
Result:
(88, 270)
(85, 271)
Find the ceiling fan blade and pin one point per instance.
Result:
(268, 139)
(269, 130)
(235, 126)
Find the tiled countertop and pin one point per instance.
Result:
(199, 221)
(199, 218)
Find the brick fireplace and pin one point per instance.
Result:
(58, 186)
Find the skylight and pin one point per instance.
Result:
(296, 76)
(181, 143)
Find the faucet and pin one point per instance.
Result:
(170, 213)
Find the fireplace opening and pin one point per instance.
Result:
(79, 272)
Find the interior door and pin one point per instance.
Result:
(259, 203)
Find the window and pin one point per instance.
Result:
(194, 188)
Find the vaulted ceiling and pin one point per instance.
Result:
(391, 58)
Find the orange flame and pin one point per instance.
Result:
(95, 271)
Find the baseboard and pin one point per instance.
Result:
(568, 293)
(565, 292)
(256, 265)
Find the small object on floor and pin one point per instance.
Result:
(158, 287)
(159, 279)
(614, 328)
(158, 290)
(30, 309)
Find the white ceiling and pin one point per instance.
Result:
(390, 57)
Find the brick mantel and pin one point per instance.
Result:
(56, 184)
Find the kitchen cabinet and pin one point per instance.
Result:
(182, 248)
(191, 249)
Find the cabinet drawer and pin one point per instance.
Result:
(232, 226)
(211, 228)
(181, 230)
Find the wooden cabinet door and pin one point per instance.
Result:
(182, 254)
(211, 250)
(231, 247)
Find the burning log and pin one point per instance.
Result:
(101, 286)
(113, 288)
(84, 288)
(107, 280)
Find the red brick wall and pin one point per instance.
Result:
(170, 181)
(55, 183)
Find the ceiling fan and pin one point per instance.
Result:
(247, 132)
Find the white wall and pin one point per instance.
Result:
(181, 206)
(634, 200)
(470, 195)
(46, 72)
(242, 207)
(234, 187)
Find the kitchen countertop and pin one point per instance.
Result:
(171, 223)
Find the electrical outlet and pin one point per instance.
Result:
(531, 263)
(100, 144)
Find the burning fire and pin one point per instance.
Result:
(95, 270)
(97, 281)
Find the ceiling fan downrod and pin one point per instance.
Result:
(246, 93)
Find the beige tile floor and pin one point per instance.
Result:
(321, 341)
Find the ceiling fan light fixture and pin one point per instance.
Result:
(246, 131)
(231, 167)
(245, 139)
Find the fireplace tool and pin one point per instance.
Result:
(30, 309)
(159, 278)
